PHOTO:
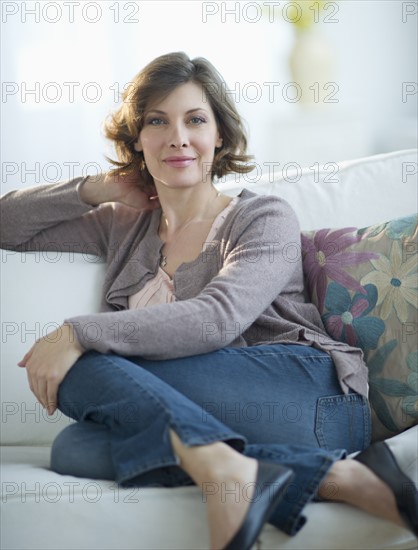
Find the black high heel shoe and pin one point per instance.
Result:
(380, 460)
(270, 485)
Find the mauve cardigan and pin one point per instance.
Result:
(246, 289)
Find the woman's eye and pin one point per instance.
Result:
(155, 121)
(197, 120)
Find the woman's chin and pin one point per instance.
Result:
(178, 181)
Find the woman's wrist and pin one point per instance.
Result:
(70, 335)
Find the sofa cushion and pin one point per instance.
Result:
(364, 283)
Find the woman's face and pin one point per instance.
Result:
(179, 137)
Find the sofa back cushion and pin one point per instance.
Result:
(354, 193)
(38, 290)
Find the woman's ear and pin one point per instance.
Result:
(219, 141)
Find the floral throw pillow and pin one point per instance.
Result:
(365, 285)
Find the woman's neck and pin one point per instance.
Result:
(182, 207)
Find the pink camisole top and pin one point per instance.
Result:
(160, 289)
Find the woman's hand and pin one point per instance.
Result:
(48, 361)
(128, 189)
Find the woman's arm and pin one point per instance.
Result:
(68, 216)
(123, 189)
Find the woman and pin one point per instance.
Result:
(206, 365)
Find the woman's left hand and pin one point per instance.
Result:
(48, 361)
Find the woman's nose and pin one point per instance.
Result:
(179, 137)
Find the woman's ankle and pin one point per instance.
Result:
(332, 486)
(351, 482)
(208, 462)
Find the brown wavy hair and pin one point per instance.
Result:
(153, 84)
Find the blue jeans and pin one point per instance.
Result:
(281, 403)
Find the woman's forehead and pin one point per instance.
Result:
(189, 95)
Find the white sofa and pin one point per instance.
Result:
(42, 510)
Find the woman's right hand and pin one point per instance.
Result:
(126, 189)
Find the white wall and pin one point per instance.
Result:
(374, 48)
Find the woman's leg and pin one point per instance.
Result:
(84, 449)
(272, 394)
(352, 482)
(140, 410)
(286, 394)
(146, 418)
(126, 417)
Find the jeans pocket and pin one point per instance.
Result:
(343, 422)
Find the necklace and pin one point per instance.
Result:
(163, 257)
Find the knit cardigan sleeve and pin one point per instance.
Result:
(54, 218)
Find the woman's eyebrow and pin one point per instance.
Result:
(158, 111)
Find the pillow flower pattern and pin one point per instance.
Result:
(365, 285)
(396, 281)
(326, 256)
(348, 318)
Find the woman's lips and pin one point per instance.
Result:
(179, 162)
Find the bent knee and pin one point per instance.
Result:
(82, 449)
(65, 452)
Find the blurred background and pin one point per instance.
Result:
(316, 82)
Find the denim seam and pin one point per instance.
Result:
(367, 421)
(325, 357)
(309, 358)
